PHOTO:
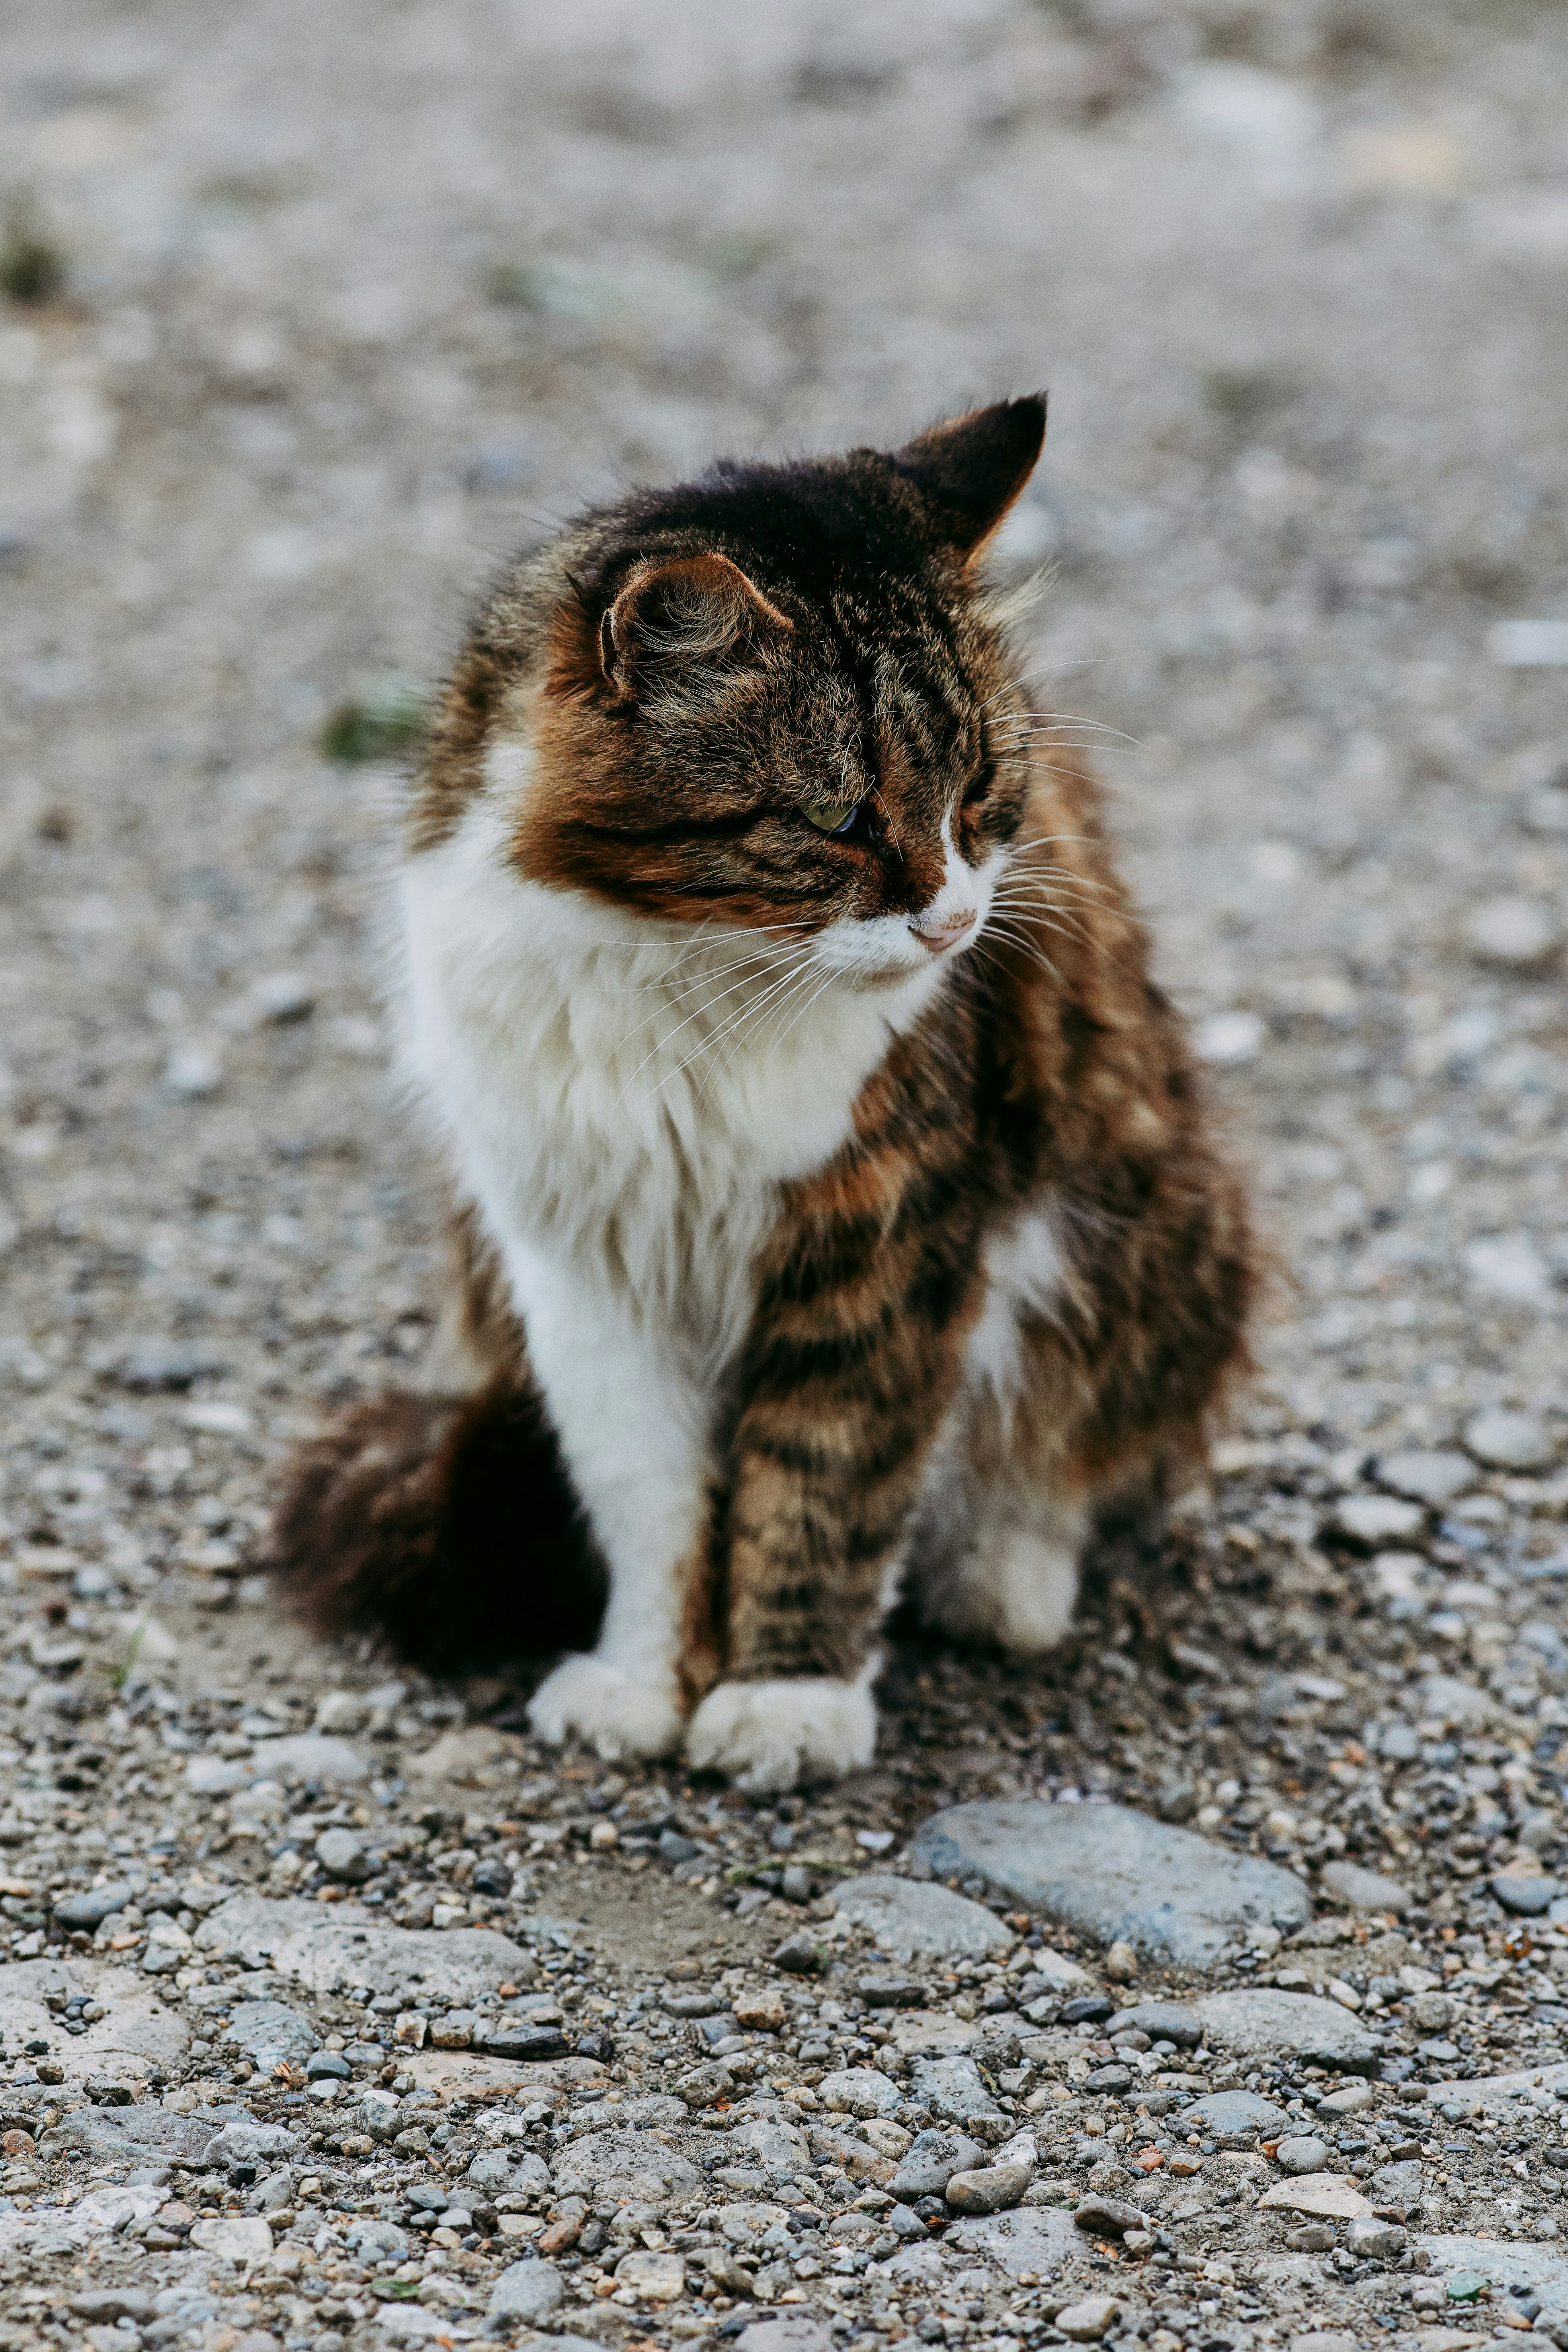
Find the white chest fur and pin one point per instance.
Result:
(622, 1097)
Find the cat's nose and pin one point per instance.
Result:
(939, 937)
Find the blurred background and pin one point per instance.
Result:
(308, 316)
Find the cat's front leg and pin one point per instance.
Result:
(852, 1363)
(632, 1434)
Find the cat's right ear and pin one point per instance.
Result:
(675, 620)
(970, 470)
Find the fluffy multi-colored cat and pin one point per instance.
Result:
(834, 1209)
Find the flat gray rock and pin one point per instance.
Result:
(1375, 1522)
(1447, 1699)
(645, 2168)
(530, 2292)
(951, 2089)
(1364, 1890)
(249, 2142)
(1031, 2238)
(1264, 2023)
(907, 1916)
(1514, 2263)
(1527, 1898)
(271, 2030)
(790, 2335)
(1536, 2086)
(310, 1755)
(353, 1948)
(1433, 1478)
(1115, 1874)
(1509, 1440)
(1161, 2021)
(1397, 2184)
(135, 2132)
(1233, 2115)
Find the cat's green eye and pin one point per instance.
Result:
(833, 817)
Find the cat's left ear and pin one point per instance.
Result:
(970, 470)
(675, 617)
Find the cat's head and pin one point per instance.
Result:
(776, 698)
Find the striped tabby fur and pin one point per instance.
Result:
(835, 1204)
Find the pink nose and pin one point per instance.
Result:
(939, 937)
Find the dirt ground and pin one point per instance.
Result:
(315, 314)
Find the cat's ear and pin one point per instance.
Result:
(678, 616)
(970, 470)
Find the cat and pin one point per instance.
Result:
(834, 1210)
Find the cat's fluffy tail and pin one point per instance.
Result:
(447, 1525)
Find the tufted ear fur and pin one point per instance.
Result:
(678, 616)
(971, 468)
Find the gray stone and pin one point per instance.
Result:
(1108, 2217)
(860, 2091)
(249, 2142)
(1509, 1440)
(310, 1755)
(705, 2086)
(1030, 2238)
(642, 2167)
(907, 1916)
(951, 2089)
(1370, 2240)
(1527, 1898)
(930, 2161)
(93, 1906)
(1432, 2011)
(343, 1856)
(269, 2032)
(1115, 1874)
(1433, 1478)
(1518, 932)
(1266, 2023)
(530, 2292)
(1544, 2268)
(123, 2134)
(1303, 2154)
(1373, 1521)
(1161, 2021)
(1233, 2115)
(1397, 2184)
(111, 2303)
(778, 2147)
(1364, 1890)
(891, 1988)
(1086, 2322)
(791, 2335)
(991, 2188)
(377, 2240)
(354, 1947)
(1353, 2100)
(1445, 1699)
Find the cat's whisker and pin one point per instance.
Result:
(661, 1043)
(745, 1010)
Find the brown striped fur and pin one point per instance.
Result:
(695, 671)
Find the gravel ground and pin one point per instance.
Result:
(334, 2011)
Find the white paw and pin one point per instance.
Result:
(617, 1713)
(1019, 1590)
(768, 1736)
